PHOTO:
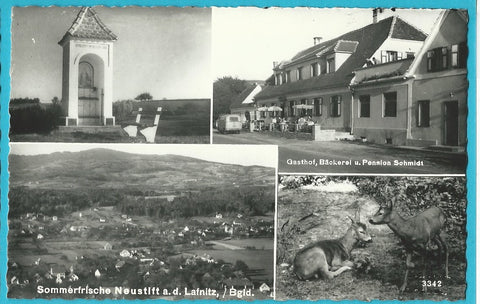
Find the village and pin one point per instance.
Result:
(105, 248)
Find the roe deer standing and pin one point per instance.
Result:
(415, 233)
(329, 258)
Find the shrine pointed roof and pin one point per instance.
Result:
(88, 25)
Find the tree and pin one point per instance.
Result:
(56, 101)
(144, 96)
(225, 89)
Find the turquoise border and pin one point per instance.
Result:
(5, 46)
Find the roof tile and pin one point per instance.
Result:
(88, 25)
(369, 39)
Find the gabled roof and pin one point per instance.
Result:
(368, 39)
(403, 30)
(238, 101)
(88, 25)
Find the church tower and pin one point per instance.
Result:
(87, 71)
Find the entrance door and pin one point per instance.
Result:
(451, 123)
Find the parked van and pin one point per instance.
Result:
(229, 123)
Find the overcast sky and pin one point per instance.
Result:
(246, 41)
(249, 155)
(165, 51)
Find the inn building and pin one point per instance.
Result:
(387, 82)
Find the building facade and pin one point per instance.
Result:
(420, 101)
(316, 81)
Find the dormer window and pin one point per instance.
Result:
(278, 79)
(314, 69)
(299, 73)
(331, 65)
(389, 56)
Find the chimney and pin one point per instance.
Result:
(275, 64)
(374, 15)
(316, 40)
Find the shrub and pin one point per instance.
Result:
(33, 118)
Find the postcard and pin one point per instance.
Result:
(227, 151)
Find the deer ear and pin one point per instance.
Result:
(390, 203)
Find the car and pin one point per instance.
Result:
(229, 123)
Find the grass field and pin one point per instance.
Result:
(385, 272)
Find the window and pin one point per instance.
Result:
(278, 79)
(287, 76)
(390, 104)
(299, 73)
(317, 106)
(284, 77)
(423, 113)
(410, 55)
(323, 66)
(331, 65)
(459, 55)
(437, 59)
(314, 69)
(364, 104)
(389, 56)
(335, 106)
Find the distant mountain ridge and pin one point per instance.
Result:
(105, 168)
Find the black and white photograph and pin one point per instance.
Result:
(124, 221)
(344, 90)
(371, 238)
(111, 75)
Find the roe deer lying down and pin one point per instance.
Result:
(329, 258)
(415, 233)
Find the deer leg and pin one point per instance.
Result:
(331, 274)
(408, 264)
(445, 247)
(424, 271)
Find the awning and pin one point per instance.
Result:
(275, 108)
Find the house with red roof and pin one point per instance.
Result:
(420, 101)
(316, 81)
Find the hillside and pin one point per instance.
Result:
(103, 168)
(63, 182)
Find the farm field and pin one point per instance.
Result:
(307, 215)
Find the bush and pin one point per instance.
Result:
(122, 109)
(33, 118)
